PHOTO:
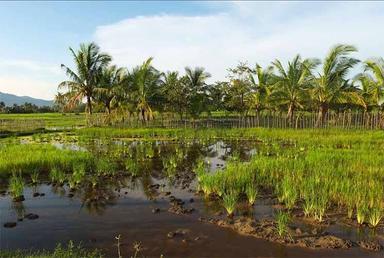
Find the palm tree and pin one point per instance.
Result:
(89, 62)
(330, 87)
(261, 90)
(175, 93)
(376, 82)
(145, 82)
(366, 91)
(291, 84)
(111, 78)
(60, 101)
(195, 80)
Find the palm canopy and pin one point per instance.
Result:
(110, 81)
(145, 81)
(174, 92)
(373, 81)
(195, 80)
(290, 84)
(260, 79)
(330, 86)
(89, 62)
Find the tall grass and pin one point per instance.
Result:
(16, 186)
(313, 172)
(26, 158)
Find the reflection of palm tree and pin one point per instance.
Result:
(96, 198)
(146, 181)
(58, 190)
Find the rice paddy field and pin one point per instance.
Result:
(120, 192)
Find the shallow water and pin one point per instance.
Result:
(124, 206)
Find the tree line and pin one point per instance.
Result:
(25, 108)
(311, 85)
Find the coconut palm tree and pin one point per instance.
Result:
(261, 80)
(376, 82)
(365, 91)
(111, 78)
(89, 62)
(291, 84)
(329, 87)
(145, 82)
(195, 80)
(175, 93)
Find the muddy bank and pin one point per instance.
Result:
(266, 229)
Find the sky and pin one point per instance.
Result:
(35, 36)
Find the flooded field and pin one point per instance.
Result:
(148, 192)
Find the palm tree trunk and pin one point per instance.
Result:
(290, 112)
(89, 105)
(323, 109)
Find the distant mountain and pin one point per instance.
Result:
(10, 99)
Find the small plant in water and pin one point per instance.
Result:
(57, 176)
(16, 186)
(35, 177)
(361, 212)
(251, 192)
(282, 220)
(375, 215)
(229, 202)
(77, 175)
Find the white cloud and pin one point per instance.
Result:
(29, 78)
(25, 86)
(247, 32)
(29, 65)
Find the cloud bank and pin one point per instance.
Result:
(253, 32)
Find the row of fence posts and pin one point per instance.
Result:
(344, 120)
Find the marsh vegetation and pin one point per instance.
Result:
(303, 187)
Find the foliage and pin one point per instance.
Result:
(69, 251)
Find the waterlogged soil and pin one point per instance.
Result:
(167, 215)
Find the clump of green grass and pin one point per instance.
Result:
(35, 176)
(16, 186)
(69, 251)
(200, 169)
(287, 192)
(229, 202)
(77, 176)
(57, 175)
(251, 192)
(282, 220)
(375, 215)
(26, 158)
(105, 167)
(170, 166)
(132, 167)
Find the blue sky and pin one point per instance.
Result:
(35, 36)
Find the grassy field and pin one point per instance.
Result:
(50, 119)
(313, 169)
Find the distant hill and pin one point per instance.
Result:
(10, 99)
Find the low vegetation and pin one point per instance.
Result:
(68, 251)
(28, 158)
(312, 174)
